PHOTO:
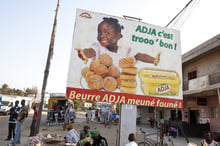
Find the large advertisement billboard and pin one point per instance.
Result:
(124, 61)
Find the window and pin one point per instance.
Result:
(201, 101)
(212, 112)
(192, 75)
(5, 103)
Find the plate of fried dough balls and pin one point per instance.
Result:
(101, 74)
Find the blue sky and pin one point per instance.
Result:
(26, 27)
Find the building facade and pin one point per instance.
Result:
(201, 84)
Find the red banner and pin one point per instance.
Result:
(122, 98)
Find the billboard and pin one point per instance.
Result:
(114, 59)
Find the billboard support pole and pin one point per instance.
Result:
(128, 113)
(127, 122)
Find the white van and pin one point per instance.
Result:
(5, 105)
(7, 101)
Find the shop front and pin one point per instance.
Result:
(200, 115)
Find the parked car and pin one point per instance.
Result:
(5, 107)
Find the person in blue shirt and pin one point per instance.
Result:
(14, 110)
(112, 117)
(22, 115)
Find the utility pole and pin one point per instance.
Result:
(46, 72)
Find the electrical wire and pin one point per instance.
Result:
(179, 13)
(181, 17)
(187, 15)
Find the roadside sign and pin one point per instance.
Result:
(117, 60)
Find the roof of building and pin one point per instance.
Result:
(205, 48)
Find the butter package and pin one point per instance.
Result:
(159, 82)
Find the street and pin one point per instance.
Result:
(110, 132)
(26, 124)
(25, 127)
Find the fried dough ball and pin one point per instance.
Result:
(106, 60)
(101, 70)
(95, 82)
(85, 71)
(89, 74)
(94, 64)
(113, 71)
(110, 83)
(118, 82)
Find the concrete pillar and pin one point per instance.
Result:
(127, 122)
(218, 91)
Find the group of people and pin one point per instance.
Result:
(92, 114)
(61, 114)
(104, 116)
(85, 138)
(16, 119)
(91, 138)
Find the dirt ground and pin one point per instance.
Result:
(110, 132)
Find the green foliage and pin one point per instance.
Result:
(5, 89)
(77, 104)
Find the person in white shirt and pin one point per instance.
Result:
(132, 139)
(208, 141)
(72, 135)
(93, 115)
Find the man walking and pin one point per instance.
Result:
(14, 110)
(22, 115)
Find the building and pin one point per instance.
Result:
(201, 92)
(201, 85)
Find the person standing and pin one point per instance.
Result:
(14, 110)
(66, 117)
(89, 115)
(93, 115)
(131, 138)
(22, 115)
(34, 119)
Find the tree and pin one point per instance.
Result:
(5, 89)
(29, 91)
(34, 91)
(19, 92)
(13, 91)
(77, 104)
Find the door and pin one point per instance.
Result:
(194, 116)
